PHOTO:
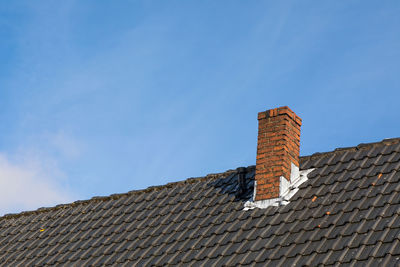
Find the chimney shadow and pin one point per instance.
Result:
(240, 184)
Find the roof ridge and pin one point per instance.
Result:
(386, 141)
(210, 176)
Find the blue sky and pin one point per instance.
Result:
(101, 97)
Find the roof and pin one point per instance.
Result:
(348, 212)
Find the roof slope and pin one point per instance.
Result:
(347, 212)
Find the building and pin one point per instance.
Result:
(335, 208)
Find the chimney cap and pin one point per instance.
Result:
(285, 110)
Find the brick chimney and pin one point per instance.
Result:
(278, 150)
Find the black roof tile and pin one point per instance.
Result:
(348, 212)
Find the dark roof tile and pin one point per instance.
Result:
(348, 212)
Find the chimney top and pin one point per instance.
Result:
(285, 110)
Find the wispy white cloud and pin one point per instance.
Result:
(67, 146)
(29, 181)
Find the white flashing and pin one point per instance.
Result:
(286, 190)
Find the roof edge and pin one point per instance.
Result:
(212, 176)
(386, 141)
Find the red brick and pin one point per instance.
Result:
(278, 146)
